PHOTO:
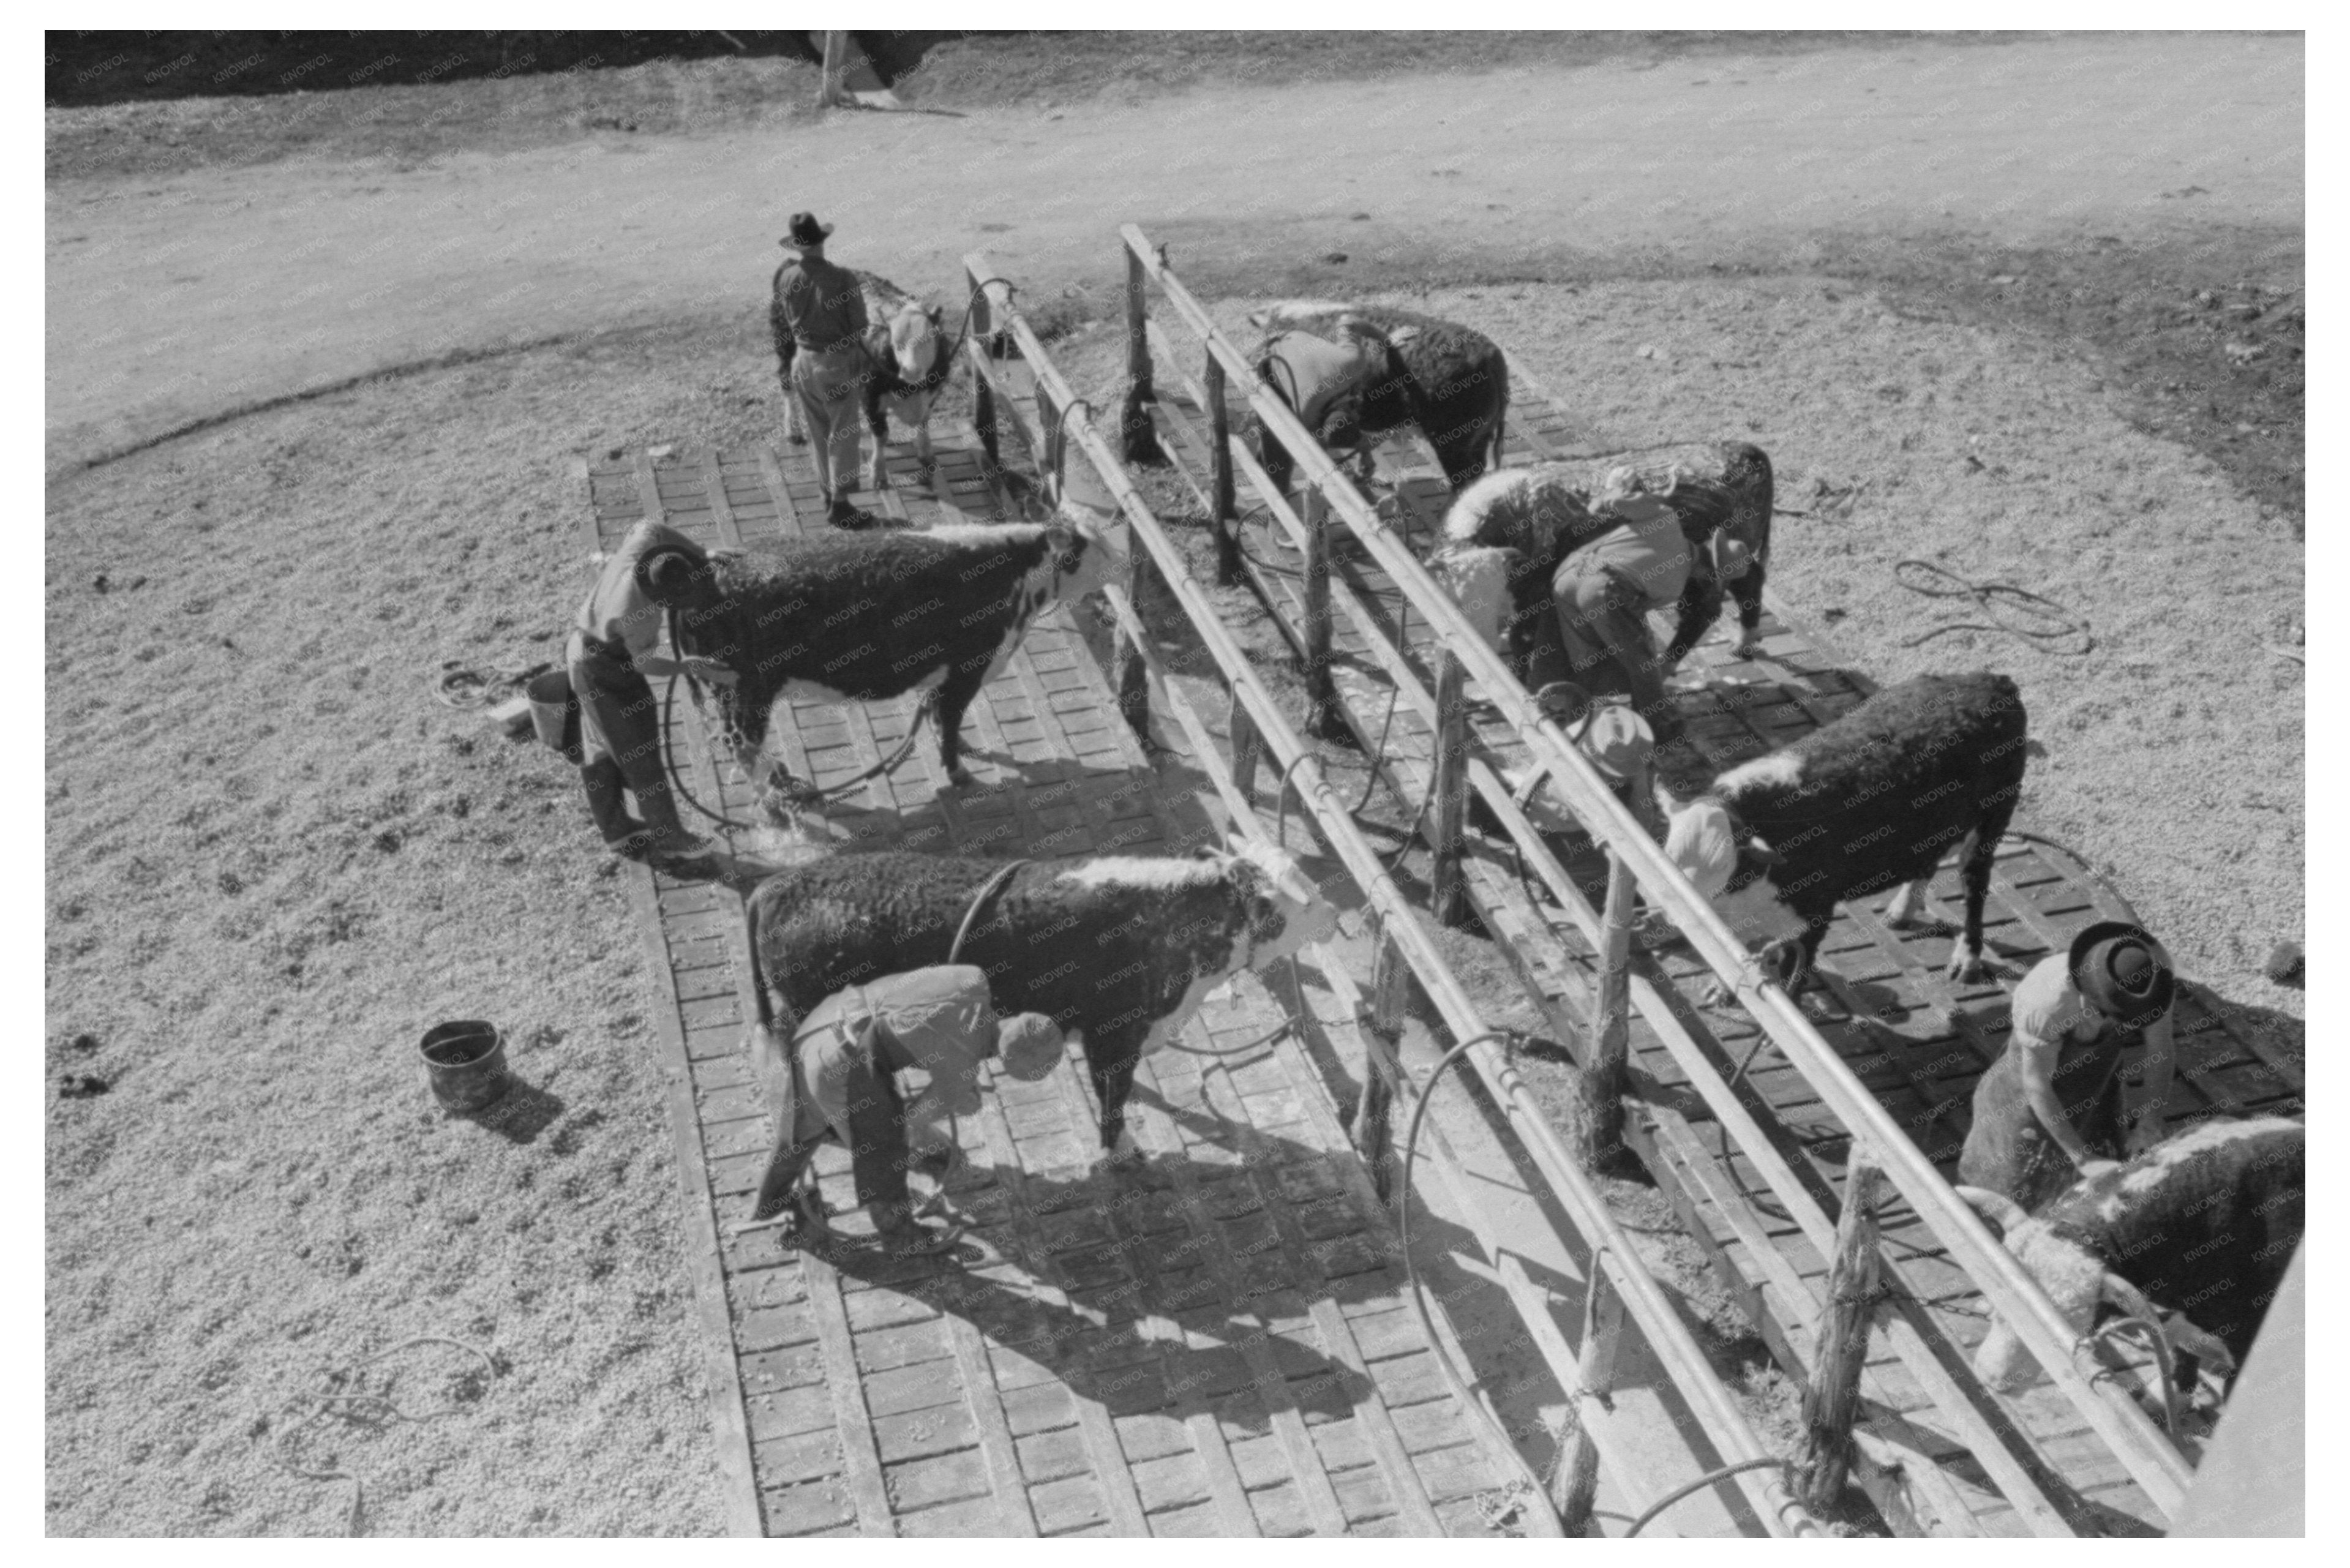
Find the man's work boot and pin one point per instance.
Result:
(621, 832)
(668, 846)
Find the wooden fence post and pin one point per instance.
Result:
(1220, 490)
(1599, 1129)
(1832, 1397)
(1133, 674)
(1245, 746)
(1139, 440)
(979, 339)
(1447, 894)
(1373, 1133)
(1595, 1364)
(1322, 719)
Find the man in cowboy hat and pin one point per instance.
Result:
(2049, 1111)
(837, 1079)
(823, 306)
(611, 654)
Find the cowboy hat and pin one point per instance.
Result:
(1030, 1046)
(2123, 972)
(807, 231)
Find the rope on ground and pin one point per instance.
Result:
(334, 1399)
(2018, 611)
(460, 686)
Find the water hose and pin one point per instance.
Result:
(1453, 1375)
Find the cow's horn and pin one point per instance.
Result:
(1998, 1210)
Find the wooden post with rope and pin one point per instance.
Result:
(1831, 1397)
(1595, 1365)
(1599, 1124)
(1140, 441)
(1373, 1133)
(1448, 892)
(1228, 545)
(1322, 721)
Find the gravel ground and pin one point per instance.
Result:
(273, 861)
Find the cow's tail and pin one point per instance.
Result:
(763, 1012)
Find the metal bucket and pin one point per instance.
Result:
(465, 1061)
(550, 706)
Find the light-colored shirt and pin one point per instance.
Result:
(823, 303)
(941, 1019)
(618, 610)
(1647, 547)
(2047, 1007)
(1321, 372)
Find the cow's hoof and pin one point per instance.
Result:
(797, 438)
(1746, 647)
(1966, 967)
(1715, 994)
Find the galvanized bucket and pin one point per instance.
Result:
(465, 1061)
(550, 706)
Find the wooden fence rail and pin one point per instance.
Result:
(2148, 1456)
(1614, 1259)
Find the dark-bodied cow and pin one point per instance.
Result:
(1353, 372)
(2201, 1227)
(1118, 950)
(842, 617)
(1871, 801)
(904, 379)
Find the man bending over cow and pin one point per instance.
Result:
(2049, 1111)
(656, 570)
(837, 1079)
(1604, 591)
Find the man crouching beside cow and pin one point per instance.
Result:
(1118, 952)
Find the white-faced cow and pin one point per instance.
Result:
(903, 381)
(1118, 950)
(1869, 802)
(1352, 372)
(842, 617)
(2192, 1237)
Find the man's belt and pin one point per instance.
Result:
(615, 651)
(848, 344)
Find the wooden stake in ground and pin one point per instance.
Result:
(1832, 1397)
(1599, 1127)
(1140, 441)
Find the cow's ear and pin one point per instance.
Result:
(1259, 318)
(1400, 336)
(1060, 537)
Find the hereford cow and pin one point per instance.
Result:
(2202, 1226)
(903, 381)
(1506, 535)
(1353, 372)
(1871, 801)
(1118, 950)
(866, 617)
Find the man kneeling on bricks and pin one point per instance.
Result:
(836, 1079)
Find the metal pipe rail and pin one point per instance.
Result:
(1612, 1249)
(2152, 1462)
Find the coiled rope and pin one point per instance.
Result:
(2018, 611)
(460, 686)
(332, 1399)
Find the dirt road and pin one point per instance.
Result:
(180, 299)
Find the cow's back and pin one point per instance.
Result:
(1880, 795)
(2205, 1225)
